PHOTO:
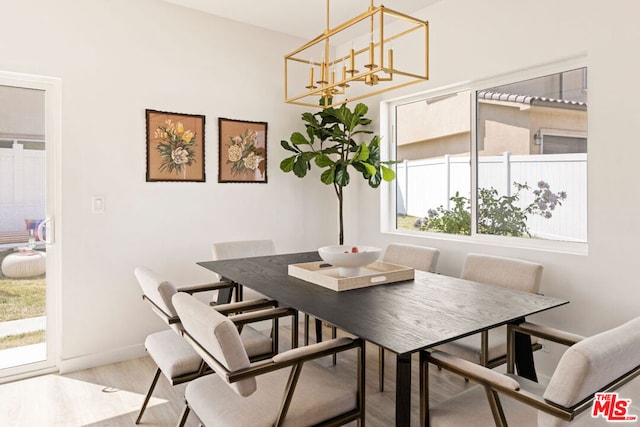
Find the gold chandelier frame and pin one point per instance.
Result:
(324, 85)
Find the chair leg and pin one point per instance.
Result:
(424, 390)
(381, 369)
(306, 329)
(183, 417)
(294, 330)
(334, 334)
(148, 396)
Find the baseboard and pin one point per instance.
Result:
(98, 359)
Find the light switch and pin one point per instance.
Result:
(97, 204)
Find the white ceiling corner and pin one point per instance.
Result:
(300, 18)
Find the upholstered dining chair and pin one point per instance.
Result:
(287, 389)
(417, 257)
(243, 249)
(173, 356)
(490, 348)
(599, 364)
(252, 248)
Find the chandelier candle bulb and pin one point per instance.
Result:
(311, 86)
(353, 62)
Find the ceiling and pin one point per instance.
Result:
(301, 18)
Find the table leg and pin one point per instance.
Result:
(318, 331)
(524, 357)
(224, 296)
(403, 390)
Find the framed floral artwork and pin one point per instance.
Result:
(242, 151)
(175, 147)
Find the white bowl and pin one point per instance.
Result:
(349, 262)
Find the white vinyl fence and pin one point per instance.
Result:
(427, 184)
(22, 187)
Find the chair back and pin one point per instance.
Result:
(593, 363)
(216, 339)
(418, 257)
(242, 249)
(158, 292)
(506, 272)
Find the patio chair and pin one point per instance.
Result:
(288, 389)
(417, 257)
(601, 363)
(490, 348)
(174, 357)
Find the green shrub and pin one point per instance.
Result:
(497, 215)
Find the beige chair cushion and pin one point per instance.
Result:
(175, 356)
(506, 272)
(413, 256)
(255, 342)
(172, 354)
(318, 397)
(242, 249)
(157, 290)
(218, 335)
(594, 362)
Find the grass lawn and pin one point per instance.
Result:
(406, 222)
(20, 340)
(21, 299)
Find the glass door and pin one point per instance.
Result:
(27, 176)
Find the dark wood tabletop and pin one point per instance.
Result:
(403, 317)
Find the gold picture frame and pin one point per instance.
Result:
(175, 147)
(242, 151)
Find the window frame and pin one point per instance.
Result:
(388, 223)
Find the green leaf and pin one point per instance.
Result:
(362, 153)
(288, 147)
(298, 139)
(300, 167)
(371, 170)
(328, 176)
(342, 175)
(387, 174)
(287, 164)
(323, 161)
(310, 119)
(375, 180)
(360, 109)
(308, 156)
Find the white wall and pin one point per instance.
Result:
(116, 58)
(473, 40)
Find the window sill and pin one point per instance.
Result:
(564, 247)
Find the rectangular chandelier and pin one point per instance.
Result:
(372, 53)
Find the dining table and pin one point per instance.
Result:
(404, 317)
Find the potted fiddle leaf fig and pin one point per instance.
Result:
(332, 143)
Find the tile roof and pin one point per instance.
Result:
(533, 100)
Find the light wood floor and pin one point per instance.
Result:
(111, 395)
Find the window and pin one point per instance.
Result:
(525, 141)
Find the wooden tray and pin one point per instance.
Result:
(373, 274)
